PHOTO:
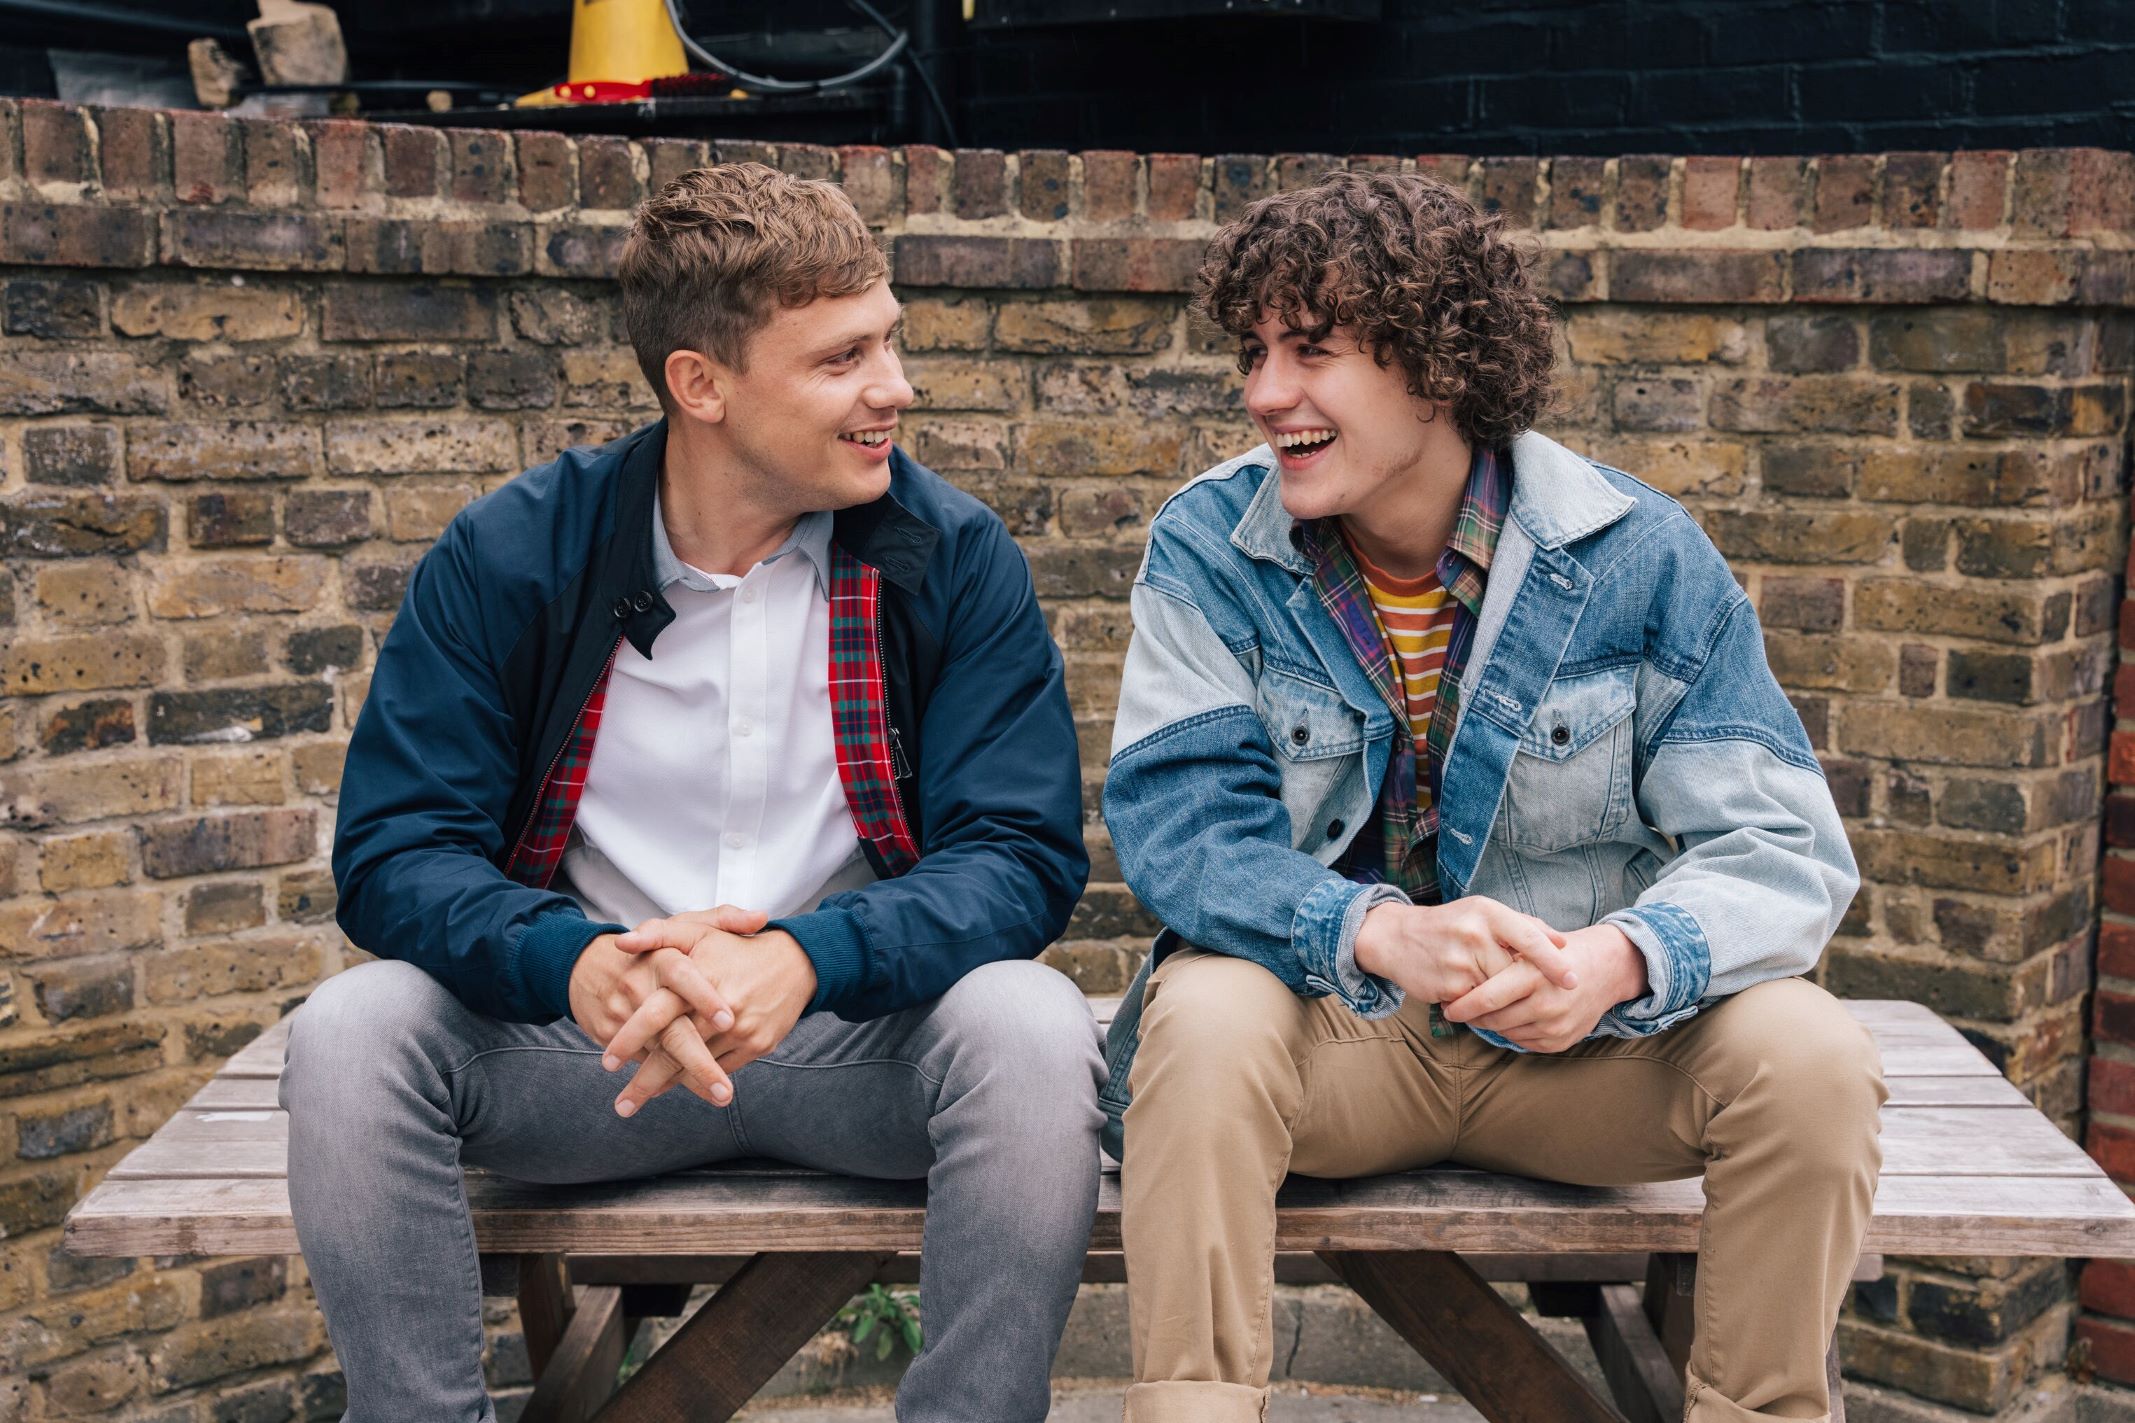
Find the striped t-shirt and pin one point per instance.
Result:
(1416, 614)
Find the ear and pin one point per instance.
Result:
(698, 385)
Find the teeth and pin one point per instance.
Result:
(870, 438)
(1303, 437)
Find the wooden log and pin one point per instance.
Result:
(1466, 1331)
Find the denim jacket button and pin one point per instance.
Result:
(1560, 735)
(1334, 828)
(1300, 735)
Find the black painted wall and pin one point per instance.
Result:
(1565, 76)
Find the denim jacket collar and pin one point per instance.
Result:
(1556, 497)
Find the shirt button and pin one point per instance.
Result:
(748, 595)
(736, 840)
(743, 729)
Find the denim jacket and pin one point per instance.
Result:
(1623, 754)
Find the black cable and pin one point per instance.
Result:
(898, 40)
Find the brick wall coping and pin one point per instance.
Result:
(97, 187)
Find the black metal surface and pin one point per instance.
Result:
(1006, 14)
(838, 116)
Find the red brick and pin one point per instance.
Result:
(926, 178)
(56, 143)
(1238, 180)
(77, 234)
(1711, 186)
(341, 162)
(413, 159)
(2120, 758)
(2101, 196)
(979, 186)
(2117, 885)
(1508, 185)
(2116, 950)
(871, 182)
(2108, 1286)
(1449, 168)
(1881, 274)
(809, 160)
(206, 165)
(134, 145)
(1642, 192)
(548, 171)
(2112, 1347)
(2039, 193)
(1136, 264)
(1108, 183)
(935, 260)
(1979, 185)
(1912, 190)
(1775, 193)
(2113, 1018)
(667, 159)
(1578, 187)
(607, 174)
(1042, 184)
(2113, 1148)
(1302, 170)
(1702, 276)
(273, 166)
(1174, 187)
(482, 166)
(1845, 192)
(249, 240)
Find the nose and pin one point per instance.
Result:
(889, 390)
(1270, 388)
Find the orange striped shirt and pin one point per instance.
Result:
(1416, 615)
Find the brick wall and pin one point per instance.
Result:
(250, 369)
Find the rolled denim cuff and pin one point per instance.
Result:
(1678, 968)
(1324, 933)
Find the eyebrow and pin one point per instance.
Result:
(855, 338)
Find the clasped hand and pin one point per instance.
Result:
(695, 996)
(1496, 968)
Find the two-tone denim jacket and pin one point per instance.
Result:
(1623, 754)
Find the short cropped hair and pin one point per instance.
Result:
(709, 256)
(1421, 276)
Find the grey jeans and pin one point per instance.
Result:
(988, 1092)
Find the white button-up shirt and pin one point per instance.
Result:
(714, 777)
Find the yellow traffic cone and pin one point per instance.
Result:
(617, 48)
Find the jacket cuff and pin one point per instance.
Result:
(1678, 967)
(1324, 933)
(831, 938)
(548, 950)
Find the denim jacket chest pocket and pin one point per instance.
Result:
(1570, 779)
(1319, 742)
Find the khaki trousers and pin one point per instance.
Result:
(1773, 1094)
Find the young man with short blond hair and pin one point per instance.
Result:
(1480, 829)
(754, 682)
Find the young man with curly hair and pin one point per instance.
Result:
(754, 682)
(1479, 827)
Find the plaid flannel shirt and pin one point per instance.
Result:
(1399, 846)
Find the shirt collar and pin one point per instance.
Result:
(810, 538)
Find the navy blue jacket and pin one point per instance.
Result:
(506, 628)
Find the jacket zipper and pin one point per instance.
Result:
(899, 768)
(542, 793)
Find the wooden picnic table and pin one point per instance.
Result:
(1970, 1168)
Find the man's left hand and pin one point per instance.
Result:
(767, 978)
(1527, 1010)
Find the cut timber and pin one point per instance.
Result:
(298, 43)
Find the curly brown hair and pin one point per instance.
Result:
(1414, 270)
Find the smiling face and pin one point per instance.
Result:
(1347, 433)
(806, 424)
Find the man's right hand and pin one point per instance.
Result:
(1438, 952)
(609, 986)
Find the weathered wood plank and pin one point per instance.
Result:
(741, 1337)
(546, 1303)
(580, 1376)
(1646, 1384)
(262, 1057)
(1471, 1211)
(1466, 1331)
(1939, 1140)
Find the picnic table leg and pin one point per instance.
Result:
(1466, 1331)
(1671, 1289)
(580, 1374)
(741, 1337)
(545, 1306)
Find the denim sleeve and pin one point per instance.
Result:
(1765, 872)
(1192, 799)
